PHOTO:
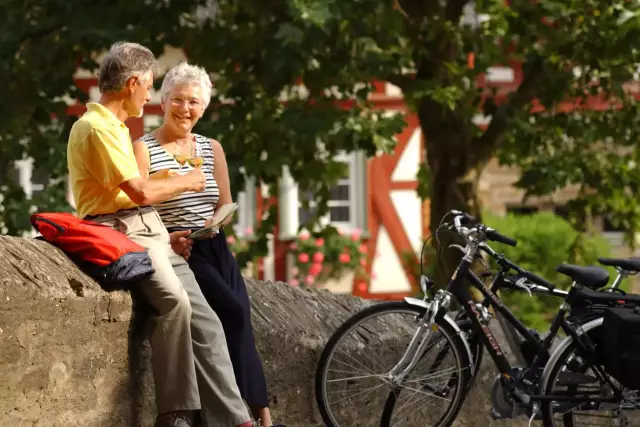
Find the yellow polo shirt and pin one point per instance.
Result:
(100, 158)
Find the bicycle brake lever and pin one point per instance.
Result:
(457, 247)
(461, 249)
(520, 283)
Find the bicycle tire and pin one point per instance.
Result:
(449, 332)
(558, 360)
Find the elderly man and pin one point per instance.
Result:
(191, 366)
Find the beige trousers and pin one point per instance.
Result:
(191, 365)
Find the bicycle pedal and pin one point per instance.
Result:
(495, 414)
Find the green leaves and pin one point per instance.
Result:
(298, 75)
(544, 241)
(41, 45)
(317, 12)
(293, 81)
(289, 34)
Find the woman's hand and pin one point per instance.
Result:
(180, 243)
(212, 234)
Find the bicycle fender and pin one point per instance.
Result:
(426, 305)
(562, 347)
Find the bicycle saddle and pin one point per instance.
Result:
(629, 264)
(590, 276)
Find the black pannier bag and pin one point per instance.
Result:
(620, 345)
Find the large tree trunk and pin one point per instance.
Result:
(454, 178)
(449, 192)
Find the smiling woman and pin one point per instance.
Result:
(171, 148)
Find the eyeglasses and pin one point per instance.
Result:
(191, 103)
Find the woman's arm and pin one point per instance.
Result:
(221, 175)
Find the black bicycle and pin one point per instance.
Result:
(512, 277)
(445, 378)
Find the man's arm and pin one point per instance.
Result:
(152, 191)
(145, 191)
(179, 240)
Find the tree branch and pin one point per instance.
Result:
(40, 33)
(411, 9)
(485, 145)
(454, 9)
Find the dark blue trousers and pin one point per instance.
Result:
(223, 287)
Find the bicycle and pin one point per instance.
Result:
(432, 314)
(529, 282)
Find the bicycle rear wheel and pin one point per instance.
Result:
(570, 374)
(353, 382)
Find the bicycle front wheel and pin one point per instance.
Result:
(354, 384)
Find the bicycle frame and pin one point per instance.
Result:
(506, 266)
(460, 292)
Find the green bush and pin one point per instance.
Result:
(545, 240)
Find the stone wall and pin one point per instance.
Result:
(497, 190)
(71, 355)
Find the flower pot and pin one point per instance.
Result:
(341, 285)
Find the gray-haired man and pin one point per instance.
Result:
(191, 365)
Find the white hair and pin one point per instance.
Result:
(185, 73)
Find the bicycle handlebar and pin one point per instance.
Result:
(486, 233)
(495, 236)
(461, 218)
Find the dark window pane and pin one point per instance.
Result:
(305, 195)
(607, 226)
(562, 212)
(522, 210)
(340, 192)
(305, 215)
(340, 214)
(39, 180)
(13, 175)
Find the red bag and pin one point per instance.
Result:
(105, 254)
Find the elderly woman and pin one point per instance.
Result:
(185, 94)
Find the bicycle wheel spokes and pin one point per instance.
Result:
(358, 384)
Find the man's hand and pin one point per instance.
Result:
(197, 180)
(163, 174)
(180, 243)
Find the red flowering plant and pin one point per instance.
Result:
(317, 259)
(240, 245)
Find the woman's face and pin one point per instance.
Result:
(183, 107)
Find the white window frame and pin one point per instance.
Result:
(247, 208)
(350, 160)
(25, 174)
(289, 202)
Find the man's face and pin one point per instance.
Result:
(139, 93)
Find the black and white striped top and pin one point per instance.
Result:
(188, 210)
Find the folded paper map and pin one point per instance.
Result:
(222, 213)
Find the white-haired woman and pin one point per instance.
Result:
(185, 94)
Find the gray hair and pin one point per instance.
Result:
(184, 73)
(123, 61)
